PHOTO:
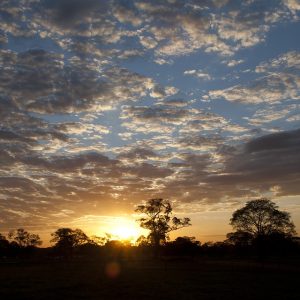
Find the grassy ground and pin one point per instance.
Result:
(196, 279)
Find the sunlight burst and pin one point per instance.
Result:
(125, 229)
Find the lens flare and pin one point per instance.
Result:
(112, 270)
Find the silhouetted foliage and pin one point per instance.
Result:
(217, 249)
(67, 239)
(89, 249)
(263, 227)
(99, 240)
(183, 246)
(24, 239)
(4, 246)
(158, 219)
(261, 217)
(143, 241)
(239, 238)
(261, 230)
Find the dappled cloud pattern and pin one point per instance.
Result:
(92, 122)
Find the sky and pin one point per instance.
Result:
(106, 104)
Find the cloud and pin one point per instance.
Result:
(45, 82)
(233, 62)
(69, 11)
(249, 169)
(11, 13)
(80, 130)
(264, 162)
(154, 114)
(246, 29)
(189, 26)
(286, 61)
(175, 102)
(3, 38)
(75, 18)
(198, 73)
(293, 5)
(207, 121)
(280, 80)
(148, 42)
(200, 142)
(126, 15)
(294, 118)
(138, 154)
(272, 88)
(272, 113)
(174, 29)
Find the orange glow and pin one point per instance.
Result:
(112, 270)
(125, 229)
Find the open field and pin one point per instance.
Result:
(192, 279)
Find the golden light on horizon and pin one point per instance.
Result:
(125, 229)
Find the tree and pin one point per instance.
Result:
(158, 219)
(4, 245)
(261, 217)
(239, 238)
(24, 239)
(66, 239)
(183, 246)
(142, 241)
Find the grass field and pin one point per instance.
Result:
(191, 279)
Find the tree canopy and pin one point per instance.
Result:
(261, 217)
(67, 238)
(24, 239)
(159, 220)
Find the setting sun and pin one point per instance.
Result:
(125, 229)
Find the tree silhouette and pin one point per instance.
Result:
(261, 217)
(239, 238)
(158, 219)
(183, 246)
(24, 239)
(4, 245)
(66, 239)
(142, 241)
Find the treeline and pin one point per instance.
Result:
(261, 230)
(74, 243)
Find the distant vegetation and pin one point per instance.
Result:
(261, 230)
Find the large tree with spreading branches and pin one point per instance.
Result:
(262, 217)
(158, 219)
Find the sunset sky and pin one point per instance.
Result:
(105, 104)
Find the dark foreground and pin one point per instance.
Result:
(189, 279)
